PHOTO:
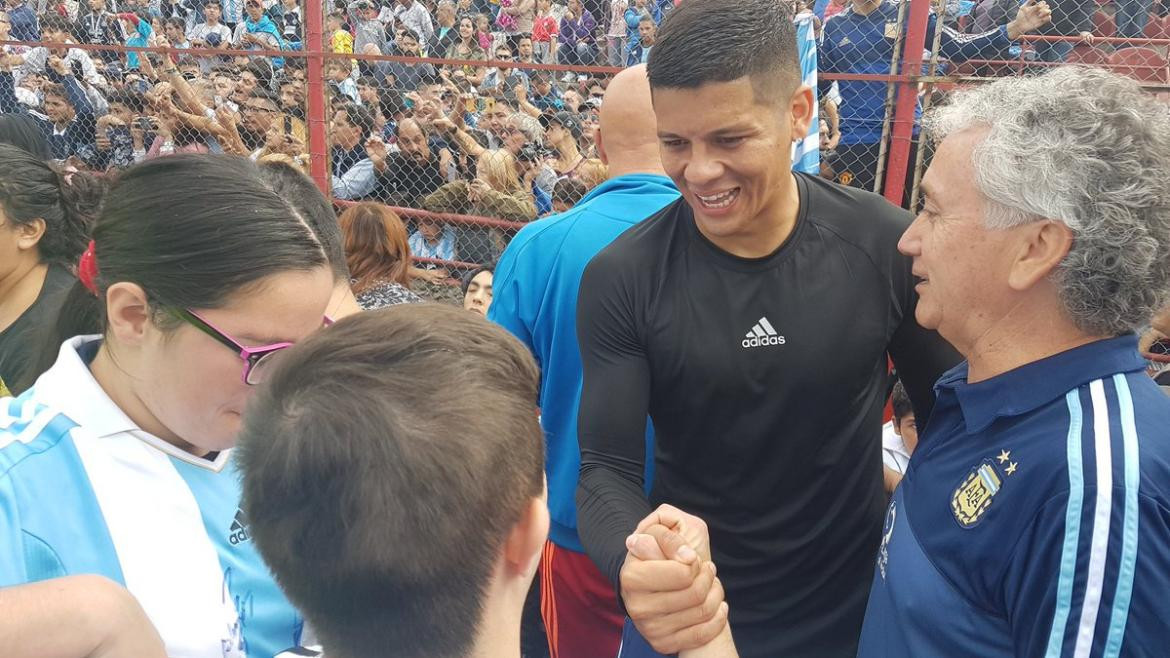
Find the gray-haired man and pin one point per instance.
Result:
(1033, 519)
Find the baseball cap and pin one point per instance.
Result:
(568, 120)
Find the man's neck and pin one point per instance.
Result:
(1030, 331)
(499, 629)
(19, 289)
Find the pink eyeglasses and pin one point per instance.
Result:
(258, 361)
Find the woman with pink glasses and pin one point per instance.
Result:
(118, 460)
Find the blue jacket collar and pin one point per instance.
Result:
(1033, 385)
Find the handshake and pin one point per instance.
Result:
(670, 588)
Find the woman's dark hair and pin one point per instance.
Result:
(22, 131)
(290, 184)
(32, 189)
(189, 246)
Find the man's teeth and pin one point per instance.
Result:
(719, 200)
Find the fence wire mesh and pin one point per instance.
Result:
(471, 118)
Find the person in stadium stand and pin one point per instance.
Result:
(1034, 522)
(567, 193)
(545, 96)
(861, 40)
(44, 226)
(258, 32)
(433, 239)
(212, 14)
(416, 18)
(740, 386)
(519, 17)
(538, 280)
(101, 27)
(353, 172)
(446, 30)
(378, 255)
(454, 587)
(69, 122)
(290, 183)
(647, 32)
(899, 438)
(409, 174)
(467, 48)
(545, 34)
(477, 289)
(23, 20)
(562, 132)
(58, 29)
(577, 41)
(123, 466)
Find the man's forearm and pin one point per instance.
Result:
(609, 508)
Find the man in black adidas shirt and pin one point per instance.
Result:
(751, 320)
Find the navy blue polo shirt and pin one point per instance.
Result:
(1034, 519)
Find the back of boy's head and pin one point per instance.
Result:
(384, 466)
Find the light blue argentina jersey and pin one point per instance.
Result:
(806, 154)
(83, 490)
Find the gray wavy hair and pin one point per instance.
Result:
(1087, 148)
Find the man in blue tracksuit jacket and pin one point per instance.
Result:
(536, 284)
(861, 40)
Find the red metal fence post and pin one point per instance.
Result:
(319, 166)
(902, 133)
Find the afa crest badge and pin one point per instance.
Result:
(972, 498)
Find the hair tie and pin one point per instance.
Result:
(87, 269)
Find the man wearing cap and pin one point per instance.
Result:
(562, 131)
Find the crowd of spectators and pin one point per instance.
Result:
(506, 143)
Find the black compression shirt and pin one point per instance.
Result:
(765, 380)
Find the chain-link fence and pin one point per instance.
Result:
(470, 121)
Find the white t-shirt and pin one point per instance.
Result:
(895, 456)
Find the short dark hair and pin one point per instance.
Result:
(733, 46)
(357, 437)
(900, 402)
(292, 185)
(217, 3)
(569, 190)
(359, 116)
(133, 101)
(263, 93)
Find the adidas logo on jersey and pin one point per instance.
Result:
(239, 532)
(762, 335)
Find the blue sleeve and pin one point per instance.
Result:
(74, 93)
(508, 294)
(826, 58)
(1071, 591)
(959, 47)
(8, 102)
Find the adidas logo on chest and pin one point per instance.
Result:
(763, 334)
(239, 530)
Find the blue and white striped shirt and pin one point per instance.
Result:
(806, 154)
(83, 490)
(1034, 519)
